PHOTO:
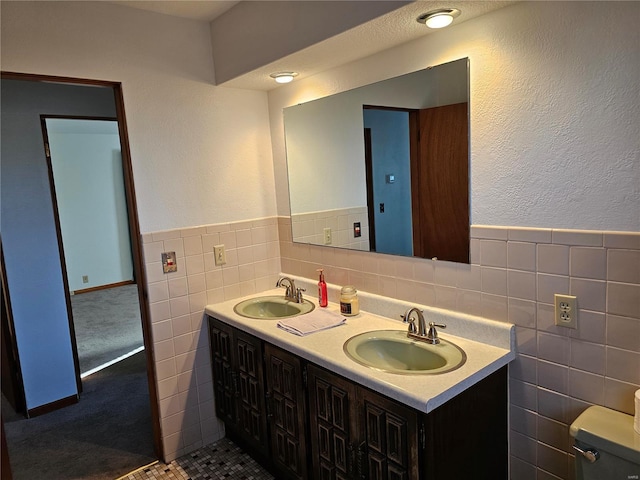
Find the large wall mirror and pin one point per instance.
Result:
(385, 167)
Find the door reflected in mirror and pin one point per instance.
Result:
(385, 167)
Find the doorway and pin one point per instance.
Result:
(35, 269)
(85, 165)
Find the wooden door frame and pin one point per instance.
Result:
(134, 231)
(10, 345)
(368, 167)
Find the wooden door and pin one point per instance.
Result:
(286, 399)
(12, 386)
(440, 183)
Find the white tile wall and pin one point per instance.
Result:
(177, 301)
(309, 227)
(513, 275)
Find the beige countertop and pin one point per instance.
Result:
(488, 345)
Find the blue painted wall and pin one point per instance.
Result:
(34, 271)
(390, 152)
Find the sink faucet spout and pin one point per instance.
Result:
(291, 293)
(420, 331)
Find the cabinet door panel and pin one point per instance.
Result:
(390, 437)
(238, 382)
(332, 403)
(253, 420)
(377, 468)
(396, 434)
(286, 392)
(375, 427)
(223, 375)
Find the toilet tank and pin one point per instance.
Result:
(607, 447)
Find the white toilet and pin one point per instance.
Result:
(607, 447)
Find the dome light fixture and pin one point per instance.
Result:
(283, 77)
(439, 18)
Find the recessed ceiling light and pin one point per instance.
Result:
(283, 77)
(439, 18)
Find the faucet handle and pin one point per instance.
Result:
(411, 321)
(299, 294)
(432, 334)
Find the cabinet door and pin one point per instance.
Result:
(251, 408)
(332, 419)
(286, 398)
(222, 364)
(389, 433)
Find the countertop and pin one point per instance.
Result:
(423, 392)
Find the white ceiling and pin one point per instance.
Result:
(204, 10)
(395, 28)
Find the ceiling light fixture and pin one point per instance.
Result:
(283, 77)
(439, 18)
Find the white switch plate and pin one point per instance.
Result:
(327, 236)
(219, 255)
(566, 310)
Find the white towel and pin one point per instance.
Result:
(311, 322)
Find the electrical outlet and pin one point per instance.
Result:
(327, 236)
(219, 255)
(566, 311)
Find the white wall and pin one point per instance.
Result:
(554, 111)
(192, 144)
(87, 169)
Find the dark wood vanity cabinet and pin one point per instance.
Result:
(304, 422)
(238, 382)
(260, 397)
(358, 434)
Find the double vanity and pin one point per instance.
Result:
(362, 400)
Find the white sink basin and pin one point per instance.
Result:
(272, 307)
(392, 351)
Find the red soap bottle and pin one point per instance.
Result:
(322, 290)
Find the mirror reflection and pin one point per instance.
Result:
(385, 167)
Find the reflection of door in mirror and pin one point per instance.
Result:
(434, 168)
(439, 183)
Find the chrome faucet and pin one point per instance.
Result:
(291, 293)
(420, 331)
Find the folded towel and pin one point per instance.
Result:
(314, 321)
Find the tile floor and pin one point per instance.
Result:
(221, 460)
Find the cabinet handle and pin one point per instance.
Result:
(352, 460)
(268, 404)
(360, 461)
(234, 380)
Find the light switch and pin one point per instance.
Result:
(169, 263)
(219, 255)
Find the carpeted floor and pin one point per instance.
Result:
(90, 440)
(107, 324)
(108, 433)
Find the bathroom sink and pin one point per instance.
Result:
(392, 351)
(272, 307)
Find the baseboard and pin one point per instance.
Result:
(50, 407)
(103, 287)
